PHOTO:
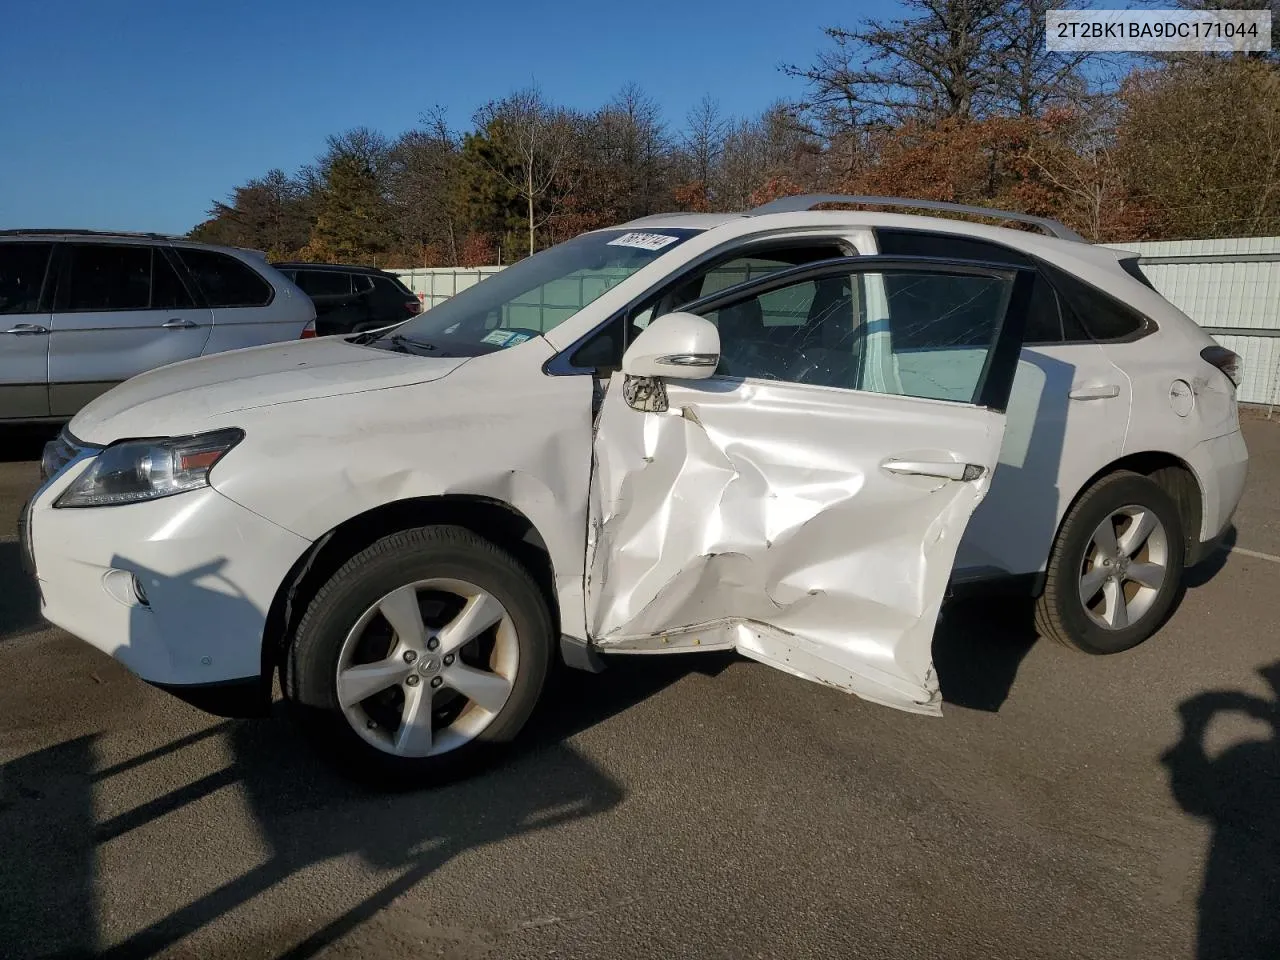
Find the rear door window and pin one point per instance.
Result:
(100, 277)
(224, 280)
(167, 289)
(1048, 320)
(22, 271)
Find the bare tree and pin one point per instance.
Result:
(936, 65)
(1027, 78)
(704, 138)
(633, 146)
(538, 137)
(423, 178)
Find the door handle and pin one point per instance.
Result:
(26, 329)
(176, 324)
(1095, 391)
(946, 469)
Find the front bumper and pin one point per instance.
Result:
(176, 589)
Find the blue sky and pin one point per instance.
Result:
(137, 114)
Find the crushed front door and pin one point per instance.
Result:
(803, 506)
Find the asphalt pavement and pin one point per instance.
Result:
(1063, 806)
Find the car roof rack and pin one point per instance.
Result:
(291, 264)
(75, 232)
(807, 202)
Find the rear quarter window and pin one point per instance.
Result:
(224, 280)
(1102, 316)
(391, 289)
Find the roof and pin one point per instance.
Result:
(336, 267)
(72, 233)
(688, 221)
(810, 202)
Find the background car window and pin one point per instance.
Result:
(389, 289)
(224, 280)
(167, 289)
(103, 276)
(22, 270)
(324, 283)
(893, 332)
(361, 283)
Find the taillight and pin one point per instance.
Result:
(1225, 360)
(308, 331)
(413, 307)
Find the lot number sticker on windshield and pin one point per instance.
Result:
(504, 338)
(643, 241)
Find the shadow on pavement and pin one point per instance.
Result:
(25, 442)
(1238, 793)
(19, 599)
(977, 649)
(1212, 565)
(305, 812)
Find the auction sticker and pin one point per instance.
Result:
(643, 241)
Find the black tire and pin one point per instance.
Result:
(309, 672)
(1060, 613)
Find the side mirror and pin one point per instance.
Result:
(681, 346)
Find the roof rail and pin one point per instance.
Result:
(75, 232)
(795, 204)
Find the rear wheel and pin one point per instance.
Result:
(421, 656)
(1116, 567)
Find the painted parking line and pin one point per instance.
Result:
(1255, 554)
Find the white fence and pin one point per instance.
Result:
(1231, 287)
(434, 285)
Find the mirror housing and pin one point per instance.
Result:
(679, 346)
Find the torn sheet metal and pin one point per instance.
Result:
(759, 517)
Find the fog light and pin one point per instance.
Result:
(140, 591)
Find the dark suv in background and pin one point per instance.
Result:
(350, 299)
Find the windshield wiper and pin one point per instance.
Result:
(405, 343)
(398, 341)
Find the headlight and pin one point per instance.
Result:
(136, 470)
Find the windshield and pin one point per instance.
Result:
(535, 295)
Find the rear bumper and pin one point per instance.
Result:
(1221, 466)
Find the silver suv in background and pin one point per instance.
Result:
(81, 311)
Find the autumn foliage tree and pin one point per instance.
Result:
(954, 100)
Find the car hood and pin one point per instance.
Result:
(181, 397)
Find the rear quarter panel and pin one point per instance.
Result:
(284, 318)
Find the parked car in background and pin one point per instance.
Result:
(352, 299)
(784, 432)
(81, 311)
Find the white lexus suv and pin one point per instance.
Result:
(789, 432)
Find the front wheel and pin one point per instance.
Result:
(1116, 567)
(421, 655)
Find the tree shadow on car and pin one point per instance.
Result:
(303, 810)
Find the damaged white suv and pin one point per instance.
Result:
(784, 432)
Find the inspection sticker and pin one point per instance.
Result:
(643, 241)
